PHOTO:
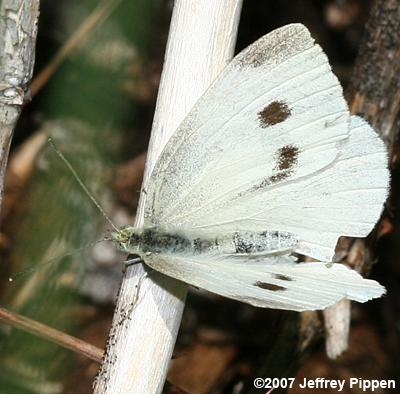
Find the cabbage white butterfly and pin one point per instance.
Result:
(269, 162)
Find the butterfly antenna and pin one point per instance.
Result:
(81, 184)
(52, 260)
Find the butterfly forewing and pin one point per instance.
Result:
(254, 129)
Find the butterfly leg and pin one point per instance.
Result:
(132, 259)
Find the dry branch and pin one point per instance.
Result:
(374, 93)
(18, 29)
(375, 83)
(51, 334)
(148, 312)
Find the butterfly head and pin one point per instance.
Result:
(126, 238)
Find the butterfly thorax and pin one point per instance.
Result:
(127, 239)
(143, 241)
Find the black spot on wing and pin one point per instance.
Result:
(277, 177)
(274, 113)
(286, 159)
(269, 286)
(282, 277)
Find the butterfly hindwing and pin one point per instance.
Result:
(347, 198)
(269, 282)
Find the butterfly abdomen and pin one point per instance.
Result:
(266, 242)
(153, 240)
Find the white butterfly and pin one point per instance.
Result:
(268, 162)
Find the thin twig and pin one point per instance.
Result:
(98, 15)
(374, 93)
(51, 334)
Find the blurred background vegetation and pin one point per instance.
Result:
(98, 107)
